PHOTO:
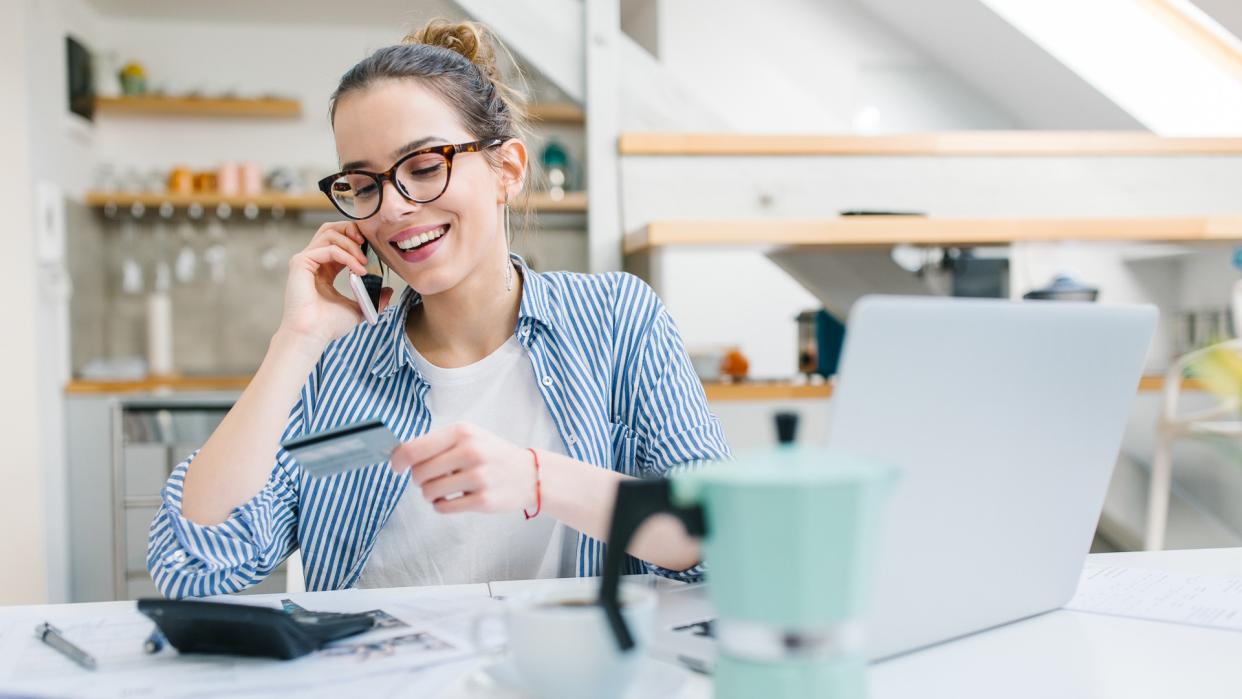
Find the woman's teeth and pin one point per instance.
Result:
(416, 241)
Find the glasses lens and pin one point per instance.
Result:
(423, 177)
(356, 195)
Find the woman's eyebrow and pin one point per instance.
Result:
(407, 148)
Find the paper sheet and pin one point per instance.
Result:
(1181, 598)
(497, 678)
(417, 659)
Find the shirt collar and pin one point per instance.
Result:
(393, 348)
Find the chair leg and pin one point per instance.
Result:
(1158, 493)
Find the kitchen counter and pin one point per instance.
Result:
(716, 390)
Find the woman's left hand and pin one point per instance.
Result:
(491, 474)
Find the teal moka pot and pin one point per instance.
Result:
(789, 536)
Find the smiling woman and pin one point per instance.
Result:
(521, 398)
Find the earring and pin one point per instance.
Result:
(508, 252)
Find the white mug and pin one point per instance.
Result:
(559, 643)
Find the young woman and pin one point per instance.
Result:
(522, 398)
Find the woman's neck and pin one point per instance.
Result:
(468, 322)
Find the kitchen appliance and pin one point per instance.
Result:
(1063, 288)
(820, 338)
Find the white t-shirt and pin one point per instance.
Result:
(419, 546)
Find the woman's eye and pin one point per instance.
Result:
(367, 191)
(427, 171)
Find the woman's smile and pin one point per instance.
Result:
(417, 244)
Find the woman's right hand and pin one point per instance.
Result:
(314, 309)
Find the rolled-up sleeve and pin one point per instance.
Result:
(676, 430)
(186, 559)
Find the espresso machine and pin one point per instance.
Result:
(789, 539)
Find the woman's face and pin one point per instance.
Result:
(374, 127)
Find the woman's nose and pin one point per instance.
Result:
(394, 205)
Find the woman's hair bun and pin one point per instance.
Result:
(470, 39)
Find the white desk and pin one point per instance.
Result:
(1061, 654)
(1068, 654)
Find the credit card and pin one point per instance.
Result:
(344, 448)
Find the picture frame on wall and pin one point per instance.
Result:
(80, 79)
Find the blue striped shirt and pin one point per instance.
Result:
(613, 373)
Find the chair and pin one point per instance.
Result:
(1218, 365)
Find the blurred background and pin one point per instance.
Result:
(762, 165)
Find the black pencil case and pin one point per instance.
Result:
(241, 629)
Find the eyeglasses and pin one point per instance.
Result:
(421, 177)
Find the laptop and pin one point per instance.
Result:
(1010, 417)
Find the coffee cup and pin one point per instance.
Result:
(559, 644)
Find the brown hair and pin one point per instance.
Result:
(457, 60)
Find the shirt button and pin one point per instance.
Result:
(525, 331)
(547, 381)
(571, 440)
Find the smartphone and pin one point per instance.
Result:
(367, 290)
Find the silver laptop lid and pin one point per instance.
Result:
(1005, 419)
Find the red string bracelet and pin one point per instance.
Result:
(538, 489)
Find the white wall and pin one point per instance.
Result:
(23, 576)
(997, 60)
(60, 157)
(807, 65)
(733, 297)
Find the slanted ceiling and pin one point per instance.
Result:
(986, 52)
(1150, 57)
(1227, 13)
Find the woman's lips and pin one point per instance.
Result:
(423, 251)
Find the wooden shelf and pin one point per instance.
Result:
(271, 107)
(265, 200)
(1155, 382)
(948, 143)
(266, 108)
(573, 202)
(780, 390)
(764, 390)
(747, 390)
(156, 384)
(861, 231)
(557, 113)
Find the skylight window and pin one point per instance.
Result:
(1143, 55)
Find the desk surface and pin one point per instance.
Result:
(1062, 654)
(1075, 654)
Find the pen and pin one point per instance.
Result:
(155, 642)
(52, 637)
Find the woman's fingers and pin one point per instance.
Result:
(466, 481)
(473, 502)
(348, 229)
(459, 457)
(420, 449)
(333, 237)
(322, 257)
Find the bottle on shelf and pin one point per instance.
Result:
(555, 160)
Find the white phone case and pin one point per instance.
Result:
(364, 301)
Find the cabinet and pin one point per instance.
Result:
(121, 450)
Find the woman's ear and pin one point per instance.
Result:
(512, 168)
